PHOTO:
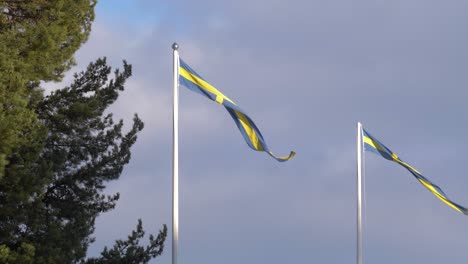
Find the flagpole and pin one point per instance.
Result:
(359, 194)
(175, 157)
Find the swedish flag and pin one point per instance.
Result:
(372, 144)
(190, 79)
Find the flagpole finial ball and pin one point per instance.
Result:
(175, 46)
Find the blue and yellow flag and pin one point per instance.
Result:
(190, 79)
(372, 144)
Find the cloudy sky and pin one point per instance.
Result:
(306, 72)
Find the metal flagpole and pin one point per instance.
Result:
(175, 157)
(359, 193)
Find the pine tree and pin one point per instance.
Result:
(58, 152)
(130, 251)
(85, 149)
(39, 37)
(54, 188)
(37, 41)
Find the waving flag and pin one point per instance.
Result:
(372, 144)
(190, 79)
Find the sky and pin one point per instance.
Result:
(306, 72)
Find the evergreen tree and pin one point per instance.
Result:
(57, 153)
(55, 186)
(85, 149)
(130, 251)
(39, 37)
(37, 41)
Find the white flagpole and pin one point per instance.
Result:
(175, 158)
(359, 194)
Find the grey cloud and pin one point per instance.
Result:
(306, 72)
